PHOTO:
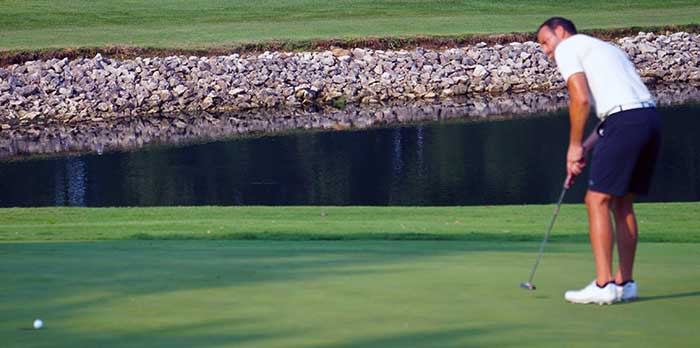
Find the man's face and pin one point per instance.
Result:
(549, 39)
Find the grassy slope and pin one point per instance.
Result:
(208, 23)
(658, 222)
(330, 294)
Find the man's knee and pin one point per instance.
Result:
(623, 206)
(598, 200)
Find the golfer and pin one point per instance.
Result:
(601, 75)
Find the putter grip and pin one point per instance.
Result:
(590, 142)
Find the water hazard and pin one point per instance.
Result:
(517, 161)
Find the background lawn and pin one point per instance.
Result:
(659, 222)
(215, 23)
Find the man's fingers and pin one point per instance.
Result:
(574, 168)
(569, 181)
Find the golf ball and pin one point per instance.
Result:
(38, 324)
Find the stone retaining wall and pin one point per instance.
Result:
(99, 89)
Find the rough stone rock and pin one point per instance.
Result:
(27, 90)
(480, 71)
(179, 90)
(207, 102)
(103, 106)
(236, 91)
(504, 69)
(646, 48)
(28, 115)
(66, 91)
(164, 95)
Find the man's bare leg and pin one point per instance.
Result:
(626, 230)
(600, 226)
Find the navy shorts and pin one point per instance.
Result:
(625, 155)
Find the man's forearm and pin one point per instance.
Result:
(578, 115)
(579, 106)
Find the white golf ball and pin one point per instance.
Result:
(38, 324)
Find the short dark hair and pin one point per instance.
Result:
(554, 22)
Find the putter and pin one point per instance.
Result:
(528, 284)
(587, 146)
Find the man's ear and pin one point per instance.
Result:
(560, 32)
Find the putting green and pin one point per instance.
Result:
(334, 294)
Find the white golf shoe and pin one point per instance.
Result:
(627, 292)
(593, 294)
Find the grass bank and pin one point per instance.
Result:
(659, 222)
(205, 24)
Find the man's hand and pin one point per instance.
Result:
(575, 162)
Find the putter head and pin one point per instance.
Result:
(528, 286)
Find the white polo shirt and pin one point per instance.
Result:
(612, 78)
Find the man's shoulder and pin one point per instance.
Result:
(581, 41)
(583, 37)
(569, 48)
(578, 46)
(578, 40)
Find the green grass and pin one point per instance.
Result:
(95, 284)
(326, 294)
(214, 23)
(659, 222)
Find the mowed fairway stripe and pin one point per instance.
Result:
(334, 294)
(212, 23)
(659, 222)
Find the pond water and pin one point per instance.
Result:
(516, 161)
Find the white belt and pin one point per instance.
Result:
(640, 105)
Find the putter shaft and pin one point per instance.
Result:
(587, 147)
(549, 229)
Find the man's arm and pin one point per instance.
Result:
(579, 107)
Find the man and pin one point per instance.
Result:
(599, 74)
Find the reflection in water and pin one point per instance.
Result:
(70, 184)
(453, 163)
(397, 162)
(397, 152)
(59, 188)
(76, 182)
(419, 152)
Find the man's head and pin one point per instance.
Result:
(552, 32)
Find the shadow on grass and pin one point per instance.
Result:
(369, 236)
(467, 337)
(201, 334)
(73, 280)
(114, 270)
(233, 333)
(187, 264)
(667, 297)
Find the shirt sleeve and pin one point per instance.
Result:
(567, 60)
